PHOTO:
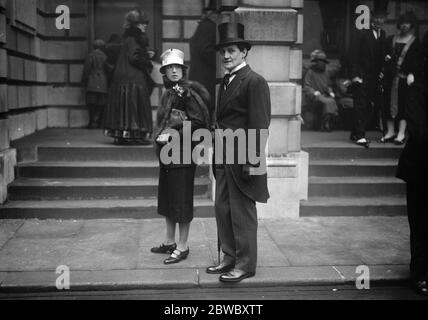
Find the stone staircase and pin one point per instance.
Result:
(93, 182)
(352, 181)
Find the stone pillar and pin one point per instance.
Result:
(275, 27)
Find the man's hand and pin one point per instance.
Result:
(317, 94)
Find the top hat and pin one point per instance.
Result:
(170, 57)
(232, 33)
(380, 8)
(319, 55)
(136, 16)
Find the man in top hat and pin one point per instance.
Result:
(203, 52)
(243, 104)
(367, 56)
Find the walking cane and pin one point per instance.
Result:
(218, 247)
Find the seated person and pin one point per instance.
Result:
(318, 88)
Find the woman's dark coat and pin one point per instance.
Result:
(129, 107)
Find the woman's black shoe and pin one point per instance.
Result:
(421, 287)
(399, 142)
(387, 140)
(164, 248)
(177, 256)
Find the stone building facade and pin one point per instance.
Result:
(41, 66)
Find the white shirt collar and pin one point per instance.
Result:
(236, 69)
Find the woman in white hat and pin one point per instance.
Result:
(182, 101)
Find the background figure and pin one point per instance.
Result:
(203, 53)
(182, 100)
(413, 169)
(128, 116)
(112, 50)
(318, 88)
(367, 55)
(94, 78)
(403, 62)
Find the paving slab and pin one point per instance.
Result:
(320, 255)
(49, 229)
(8, 229)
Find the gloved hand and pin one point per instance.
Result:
(246, 172)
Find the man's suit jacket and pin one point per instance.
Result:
(367, 54)
(246, 105)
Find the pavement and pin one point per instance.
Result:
(115, 254)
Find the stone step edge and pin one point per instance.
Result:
(89, 204)
(161, 278)
(94, 182)
(354, 180)
(354, 201)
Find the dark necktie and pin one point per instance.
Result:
(226, 79)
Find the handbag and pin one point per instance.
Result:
(176, 119)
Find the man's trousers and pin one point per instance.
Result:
(236, 216)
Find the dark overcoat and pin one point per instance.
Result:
(94, 74)
(367, 54)
(246, 105)
(413, 164)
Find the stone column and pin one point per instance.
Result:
(275, 27)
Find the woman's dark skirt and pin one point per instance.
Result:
(129, 112)
(175, 193)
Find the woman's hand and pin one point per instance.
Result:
(410, 79)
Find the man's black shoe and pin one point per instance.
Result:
(220, 269)
(236, 275)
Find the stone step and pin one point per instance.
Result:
(62, 189)
(95, 169)
(345, 206)
(355, 187)
(353, 167)
(346, 153)
(94, 209)
(96, 153)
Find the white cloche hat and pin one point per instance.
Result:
(170, 57)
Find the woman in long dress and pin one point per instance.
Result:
(182, 101)
(402, 64)
(128, 116)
